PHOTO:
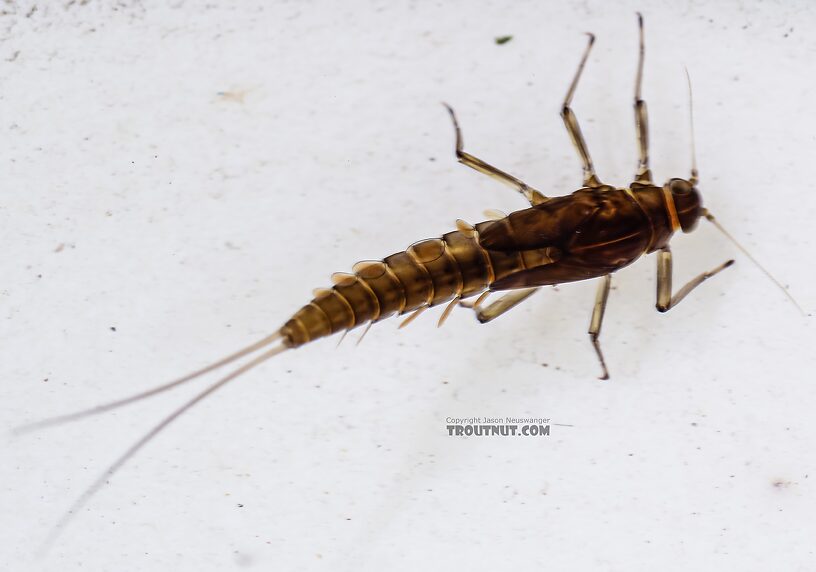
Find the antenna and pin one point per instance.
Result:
(713, 221)
(694, 173)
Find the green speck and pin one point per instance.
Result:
(503, 40)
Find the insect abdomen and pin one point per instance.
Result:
(428, 273)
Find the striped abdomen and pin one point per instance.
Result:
(428, 273)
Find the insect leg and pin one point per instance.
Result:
(643, 174)
(503, 304)
(665, 300)
(597, 319)
(529, 193)
(574, 130)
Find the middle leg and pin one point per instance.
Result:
(644, 174)
(597, 319)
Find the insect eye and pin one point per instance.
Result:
(679, 186)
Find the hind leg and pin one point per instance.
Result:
(500, 306)
(574, 130)
(533, 196)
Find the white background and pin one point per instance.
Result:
(186, 174)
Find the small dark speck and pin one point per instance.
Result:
(694, 424)
(545, 364)
(46, 379)
(240, 505)
(113, 328)
(431, 159)
(288, 371)
(444, 383)
(348, 519)
(501, 40)
(631, 454)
